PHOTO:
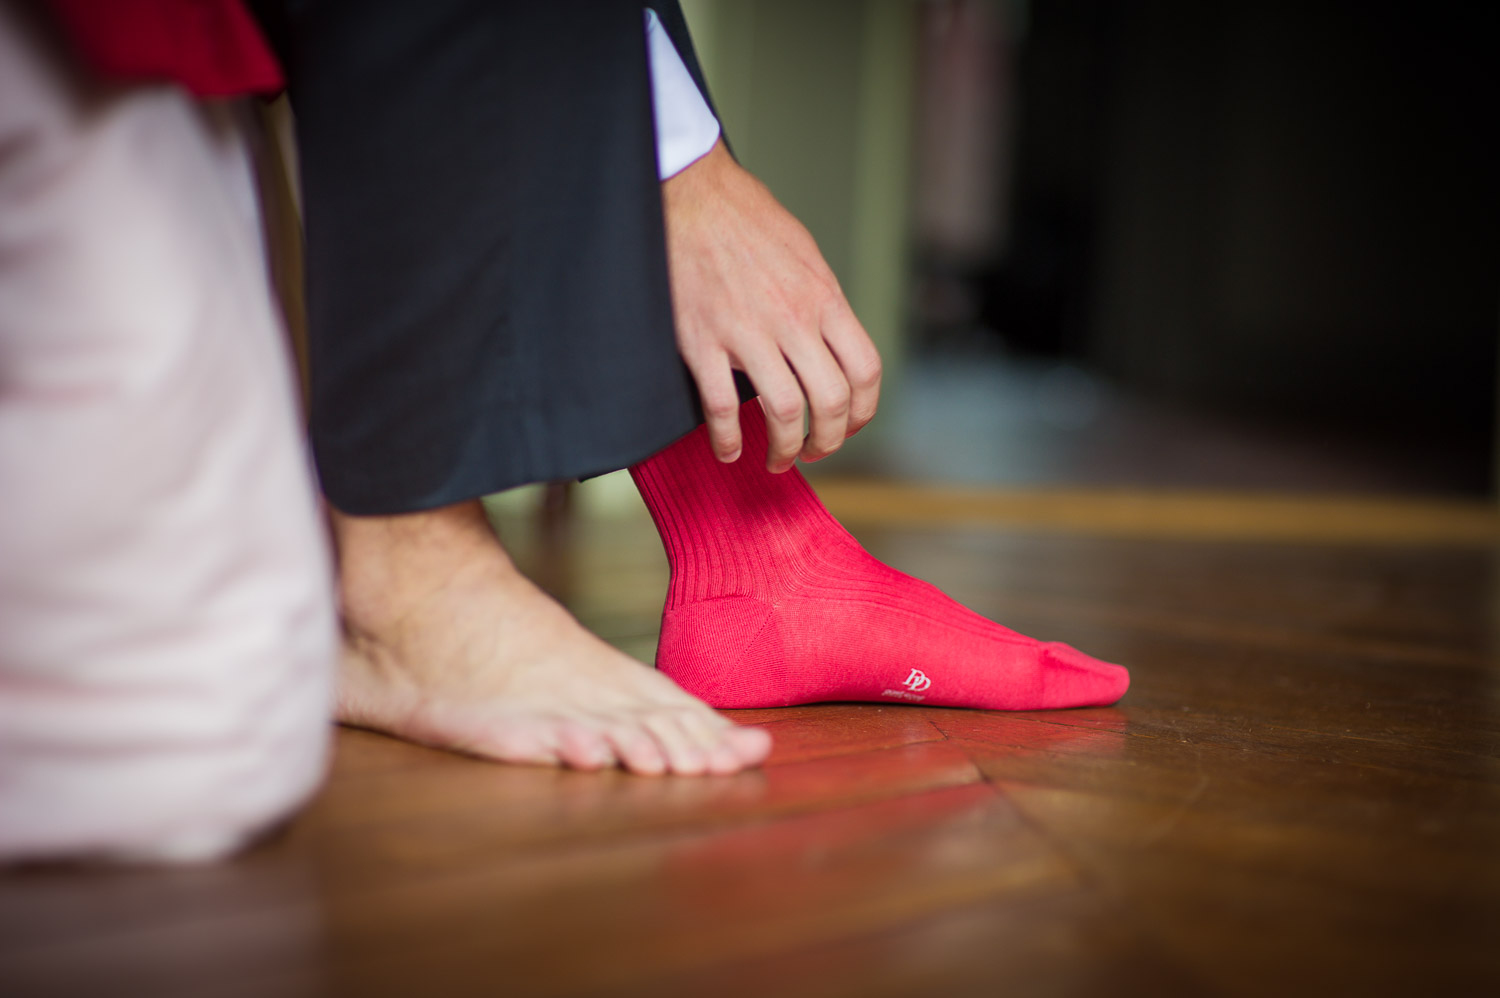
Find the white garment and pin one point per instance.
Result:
(167, 631)
(685, 128)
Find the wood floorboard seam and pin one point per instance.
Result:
(1104, 894)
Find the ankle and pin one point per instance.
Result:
(386, 562)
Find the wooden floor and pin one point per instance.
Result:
(1300, 795)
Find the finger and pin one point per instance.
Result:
(721, 403)
(858, 359)
(827, 394)
(682, 753)
(781, 400)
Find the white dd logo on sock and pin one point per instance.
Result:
(916, 681)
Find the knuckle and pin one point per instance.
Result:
(791, 315)
(829, 297)
(866, 372)
(833, 400)
(698, 350)
(784, 407)
(719, 408)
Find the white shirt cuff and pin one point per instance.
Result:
(685, 128)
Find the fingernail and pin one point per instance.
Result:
(730, 458)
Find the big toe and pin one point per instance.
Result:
(751, 745)
(1073, 679)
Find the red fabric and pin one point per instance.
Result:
(213, 48)
(773, 603)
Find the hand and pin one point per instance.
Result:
(750, 292)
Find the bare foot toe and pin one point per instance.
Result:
(751, 745)
(636, 750)
(582, 747)
(684, 754)
(527, 744)
(714, 736)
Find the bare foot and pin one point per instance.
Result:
(447, 644)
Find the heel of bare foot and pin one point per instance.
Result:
(447, 644)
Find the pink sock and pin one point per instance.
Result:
(773, 603)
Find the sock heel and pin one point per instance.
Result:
(717, 650)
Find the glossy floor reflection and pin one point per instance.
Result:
(1300, 795)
